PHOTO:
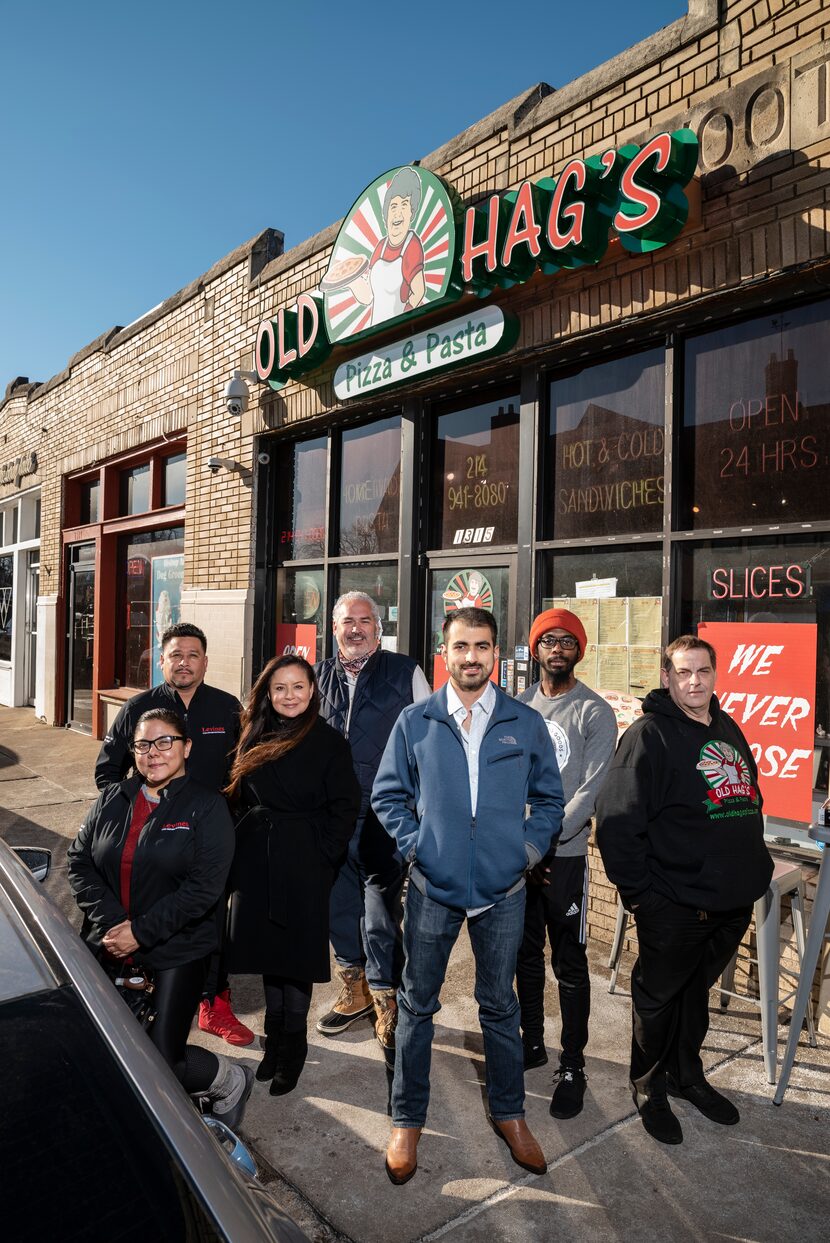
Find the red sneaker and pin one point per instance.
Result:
(220, 1020)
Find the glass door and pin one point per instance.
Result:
(32, 589)
(471, 582)
(80, 636)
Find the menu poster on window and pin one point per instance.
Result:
(613, 620)
(766, 681)
(644, 616)
(588, 613)
(643, 670)
(586, 670)
(612, 668)
(166, 575)
(297, 639)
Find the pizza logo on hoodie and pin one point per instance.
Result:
(727, 774)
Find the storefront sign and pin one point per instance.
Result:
(761, 582)
(14, 471)
(407, 245)
(482, 332)
(297, 640)
(166, 577)
(767, 682)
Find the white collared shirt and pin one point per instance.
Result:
(482, 710)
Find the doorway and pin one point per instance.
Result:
(80, 637)
(30, 653)
(457, 582)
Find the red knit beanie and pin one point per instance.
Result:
(558, 619)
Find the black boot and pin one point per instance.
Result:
(273, 1031)
(292, 1048)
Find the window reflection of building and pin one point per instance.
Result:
(370, 489)
(476, 475)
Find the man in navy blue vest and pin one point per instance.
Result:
(362, 692)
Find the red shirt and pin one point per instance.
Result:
(142, 810)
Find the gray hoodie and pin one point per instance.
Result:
(583, 730)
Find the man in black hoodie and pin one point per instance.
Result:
(681, 834)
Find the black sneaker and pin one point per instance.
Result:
(567, 1097)
(711, 1103)
(659, 1120)
(534, 1053)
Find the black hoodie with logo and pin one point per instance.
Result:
(680, 812)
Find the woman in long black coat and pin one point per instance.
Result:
(297, 799)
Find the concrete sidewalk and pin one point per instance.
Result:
(321, 1148)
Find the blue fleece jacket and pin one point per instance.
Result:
(421, 796)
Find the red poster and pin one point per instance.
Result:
(297, 640)
(767, 683)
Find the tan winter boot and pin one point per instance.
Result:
(354, 1001)
(386, 1020)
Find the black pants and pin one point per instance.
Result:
(683, 952)
(176, 998)
(287, 1002)
(558, 910)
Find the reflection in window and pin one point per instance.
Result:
(300, 615)
(604, 449)
(173, 478)
(756, 422)
(301, 500)
(90, 494)
(464, 586)
(6, 606)
(381, 583)
(135, 490)
(475, 475)
(370, 488)
(150, 574)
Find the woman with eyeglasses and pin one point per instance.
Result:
(148, 870)
(293, 783)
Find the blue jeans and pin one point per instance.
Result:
(365, 907)
(429, 933)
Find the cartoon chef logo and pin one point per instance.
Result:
(394, 254)
(727, 774)
(468, 589)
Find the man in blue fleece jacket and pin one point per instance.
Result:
(453, 788)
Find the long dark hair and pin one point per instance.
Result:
(265, 736)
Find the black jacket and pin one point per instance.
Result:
(301, 814)
(680, 811)
(212, 721)
(177, 884)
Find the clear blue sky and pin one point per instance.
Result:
(140, 143)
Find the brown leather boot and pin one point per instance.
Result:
(354, 1001)
(386, 1020)
(523, 1147)
(402, 1154)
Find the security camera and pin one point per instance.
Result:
(236, 395)
(263, 458)
(214, 465)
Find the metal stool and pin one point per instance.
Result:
(786, 879)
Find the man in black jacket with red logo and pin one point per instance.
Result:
(681, 834)
(212, 719)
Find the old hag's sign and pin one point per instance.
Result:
(408, 246)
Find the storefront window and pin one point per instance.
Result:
(301, 500)
(150, 574)
(135, 490)
(475, 475)
(604, 449)
(6, 606)
(370, 489)
(90, 493)
(617, 594)
(753, 585)
(173, 478)
(381, 583)
(756, 422)
(300, 615)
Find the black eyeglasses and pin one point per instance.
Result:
(142, 745)
(550, 640)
